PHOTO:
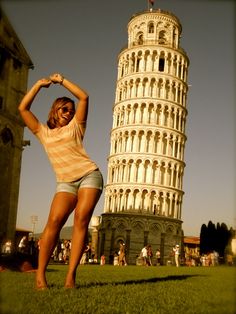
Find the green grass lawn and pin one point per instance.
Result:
(131, 289)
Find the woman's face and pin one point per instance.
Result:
(65, 113)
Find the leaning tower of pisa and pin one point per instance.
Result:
(144, 194)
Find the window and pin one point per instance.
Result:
(162, 38)
(6, 136)
(151, 28)
(139, 40)
(161, 64)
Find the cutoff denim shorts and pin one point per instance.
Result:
(92, 180)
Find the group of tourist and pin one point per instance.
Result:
(146, 255)
(61, 251)
(209, 259)
(148, 258)
(28, 246)
(61, 254)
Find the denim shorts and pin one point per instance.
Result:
(92, 180)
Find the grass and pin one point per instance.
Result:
(125, 290)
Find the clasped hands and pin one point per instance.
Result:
(54, 78)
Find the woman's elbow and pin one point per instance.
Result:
(20, 110)
(86, 97)
(21, 107)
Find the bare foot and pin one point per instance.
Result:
(41, 287)
(70, 282)
(41, 283)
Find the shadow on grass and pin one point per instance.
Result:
(138, 281)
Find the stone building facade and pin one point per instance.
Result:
(14, 66)
(143, 194)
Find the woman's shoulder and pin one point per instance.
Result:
(81, 125)
(41, 129)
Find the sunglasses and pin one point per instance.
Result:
(65, 110)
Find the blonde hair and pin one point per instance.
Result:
(57, 104)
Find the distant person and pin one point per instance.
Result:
(66, 251)
(144, 255)
(116, 259)
(79, 181)
(216, 258)
(103, 260)
(229, 259)
(158, 257)
(176, 250)
(22, 246)
(149, 255)
(121, 257)
(83, 258)
(8, 247)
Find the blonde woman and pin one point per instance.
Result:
(79, 181)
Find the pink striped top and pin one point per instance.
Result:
(64, 147)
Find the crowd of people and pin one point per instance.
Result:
(25, 246)
(146, 254)
(146, 257)
(210, 259)
(191, 258)
(62, 252)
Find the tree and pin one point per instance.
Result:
(203, 239)
(224, 236)
(215, 238)
(211, 236)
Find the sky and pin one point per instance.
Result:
(82, 40)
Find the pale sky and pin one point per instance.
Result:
(82, 40)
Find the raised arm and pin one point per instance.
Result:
(78, 92)
(29, 118)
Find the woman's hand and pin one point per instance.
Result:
(77, 91)
(56, 78)
(44, 82)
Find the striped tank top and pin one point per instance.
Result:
(64, 147)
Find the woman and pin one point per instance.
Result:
(79, 182)
(121, 258)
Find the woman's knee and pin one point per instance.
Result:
(82, 219)
(55, 221)
(62, 205)
(87, 200)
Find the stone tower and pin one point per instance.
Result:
(14, 66)
(143, 194)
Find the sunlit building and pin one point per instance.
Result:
(14, 66)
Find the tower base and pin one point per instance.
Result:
(136, 231)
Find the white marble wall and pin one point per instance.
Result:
(146, 161)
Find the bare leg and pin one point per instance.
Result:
(87, 200)
(62, 205)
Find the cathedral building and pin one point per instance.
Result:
(14, 66)
(143, 193)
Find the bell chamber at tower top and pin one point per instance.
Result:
(153, 50)
(163, 28)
